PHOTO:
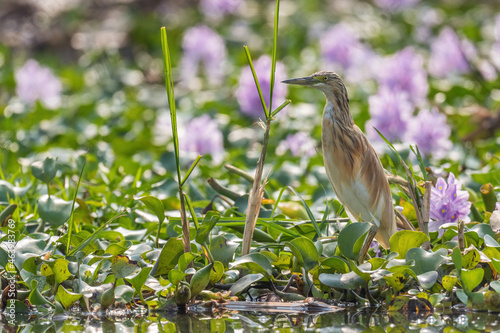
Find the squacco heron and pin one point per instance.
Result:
(351, 163)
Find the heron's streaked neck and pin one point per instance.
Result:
(337, 107)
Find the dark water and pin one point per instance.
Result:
(343, 321)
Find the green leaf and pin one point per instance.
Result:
(27, 248)
(449, 282)
(208, 224)
(425, 261)
(44, 170)
(471, 278)
(349, 236)
(242, 284)
(138, 280)
(336, 263)
(348, 281)
(53, 210)
(456, 257)
(396, 281)
(223, 250)
(404, 240)
(155, 205)
(169, 256)
(61, 272)
(118, 248)
(255, 262)
(470, 259)
(427, 279)
(217, 272)
(200, 280)
(185, 260)
(259, 90)
(67, 298)
(94, 235)
(124, 293)
(175, 276)
(305, 251)
(122, 266)
(36, 298)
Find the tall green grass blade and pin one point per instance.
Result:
(281, 107)
(249, 58)
(94, 235)
(416, 151)
(169, 83)
(278, 201)
(186, 176)
(191, 211)
(274, 54)
(309, 213)
(72, 216)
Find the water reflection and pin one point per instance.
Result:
(240, 321)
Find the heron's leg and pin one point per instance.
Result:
(368, 241)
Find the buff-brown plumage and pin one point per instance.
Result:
(352, 165)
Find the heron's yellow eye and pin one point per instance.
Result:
(325, 78)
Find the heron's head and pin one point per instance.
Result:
(328, 82)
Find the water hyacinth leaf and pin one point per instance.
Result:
(462, 296)
(449, 282)
(107, 298)
(169, 256)
(348, 281)
(61, 272)
(425, 261)
(155, 205)
(427, 279)
(53, 210)
(138, 280)
(496, 264)
(364, 275)
(336, 263)
(490, 241)
(242, 284)
(222, 250)
(284, 261)
(495, 285)
(492, 252)
(6, 192)
(66, 297)
(122, 266)
(44, 170)
(35, 297)
(305, 252)
(456, 257)
(470, 259)
(217, 272)
(118, 248)
(27, 248)
(396, 281)
(200, 280)
(349, 236)
(6, 213)
(124, 293)
(471, 278)
(293, 210)
(255, 262)
(404, 240)
(175, 276)
(483, 229)
(208, 224)
(185, 260)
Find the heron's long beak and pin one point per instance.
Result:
(302, 81)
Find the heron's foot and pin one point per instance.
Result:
(368, 241)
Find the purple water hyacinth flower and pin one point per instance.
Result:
(299, 144)
(430, 132)
(202, 136)
(216, 9)
(405, 72)
(203, 45)
(343, 52)
(247, 94)
(449, 203)
(37, 83)
(390, 111)
(395, 5)
(447, 55)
